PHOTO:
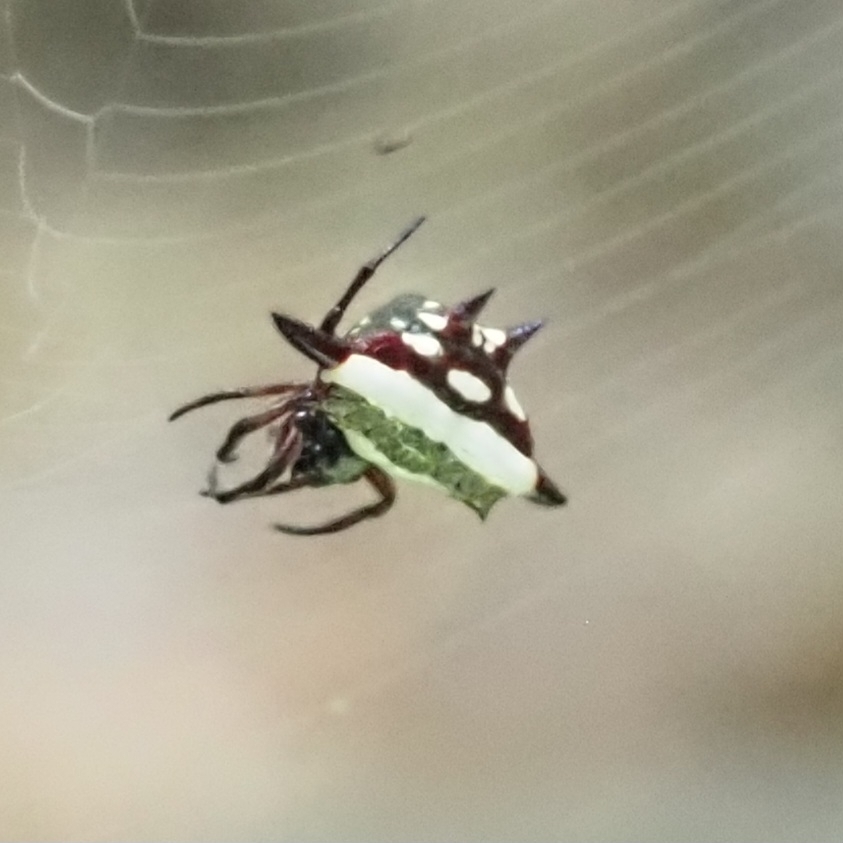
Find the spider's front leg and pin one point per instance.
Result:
(330, 322)
(321, 344)
(242, 428)
(380, 482)
(254, 488)
(284, 456)
(228, 395)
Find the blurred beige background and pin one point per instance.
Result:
(663, 181)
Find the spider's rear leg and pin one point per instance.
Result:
(330, 322)
(380, 482)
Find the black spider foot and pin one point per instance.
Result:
(213, 488)
(226, 456)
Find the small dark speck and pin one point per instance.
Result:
(389, 142)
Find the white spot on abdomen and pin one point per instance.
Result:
(469, 386)
(512, 404)
(473, 442)
(424, 344)
(434, 321)
(494, 338)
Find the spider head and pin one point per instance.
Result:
(323, 453)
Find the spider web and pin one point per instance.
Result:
(662, 180)
(249, 129)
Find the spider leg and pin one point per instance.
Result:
(285, 455)
(380, 482)
(244, 427)
(300, 481)
(330, 322)
(247, 392)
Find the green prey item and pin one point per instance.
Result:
(409, 449)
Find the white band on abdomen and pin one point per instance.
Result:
(474, 443)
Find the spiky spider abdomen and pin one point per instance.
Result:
(422, 396)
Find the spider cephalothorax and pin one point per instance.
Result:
(413, 390)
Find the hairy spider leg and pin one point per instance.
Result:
(241, 429)
(377, 479)
(246, 392)
(330, 322)
(283, 458)
(300, 481)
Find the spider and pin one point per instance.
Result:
(414, 390)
